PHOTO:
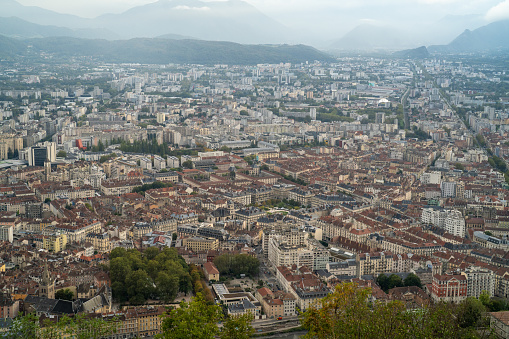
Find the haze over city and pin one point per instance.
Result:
(323, 21)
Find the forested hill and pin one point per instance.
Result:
(162, 51)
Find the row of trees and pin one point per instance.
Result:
(234, 265)
(347, 313)
(154, 274)
(156, 184)
(199, 284)
(388, 282)
(144, 146)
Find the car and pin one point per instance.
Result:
(280, 318)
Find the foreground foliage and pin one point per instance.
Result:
(79, 327)
(199, 319)
(347, 313)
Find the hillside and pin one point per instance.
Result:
(162, 51)
(415, 53)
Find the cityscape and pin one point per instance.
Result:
(224, 200)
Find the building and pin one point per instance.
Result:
(55, 242)
(9, 308)
(434, 177)
(198, 244)
(6, 233)
(499, 323)
(449, 288)
(47, 284)
(211, 271)
(455, 223)
(38, 155)
(375, 263)
(159, 162)
(448, 189)
(276, 304)
(479, 280)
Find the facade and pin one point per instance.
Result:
(6, 233)
(499, 323)
(479, 280)
(211, 271)
(449, 288)
(9, 308)
(455, 223)
(198, 244)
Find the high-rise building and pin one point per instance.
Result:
(38, 155)
(455, 223)
(479, 280)
(380, 118)
(6, 233)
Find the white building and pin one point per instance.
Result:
(173, 162)
(455, 223)
(479, 280)
(448, 189)
(6, 233)
(146, 163)
(159, 163)
(434, 177)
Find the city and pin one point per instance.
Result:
(130, 188)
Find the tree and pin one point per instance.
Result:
(167, 286)
(196, 319)
(237, 264)
(342, 314)
(187, 164)
(139, 286)
(412, 280)
(65, 294)
(471, 314)
(61, 154)
(83, 326)
(25, 327)
(80, 326)
(348, 313)
(237, 327)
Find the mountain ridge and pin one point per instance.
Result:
(164, 51)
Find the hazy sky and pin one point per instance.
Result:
(492, 8)
(321, 15)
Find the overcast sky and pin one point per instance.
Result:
(319, 15)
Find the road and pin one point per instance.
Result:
(405, 112)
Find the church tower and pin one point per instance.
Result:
(47, 284)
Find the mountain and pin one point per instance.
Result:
(19, 28)
(163, 51)
(416, 53)
(490, 38)
(10, 48)
(230, 20)
(41, 16)
(175, 37)
(370, 37)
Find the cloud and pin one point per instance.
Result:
(187, 8)
(498, 12)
